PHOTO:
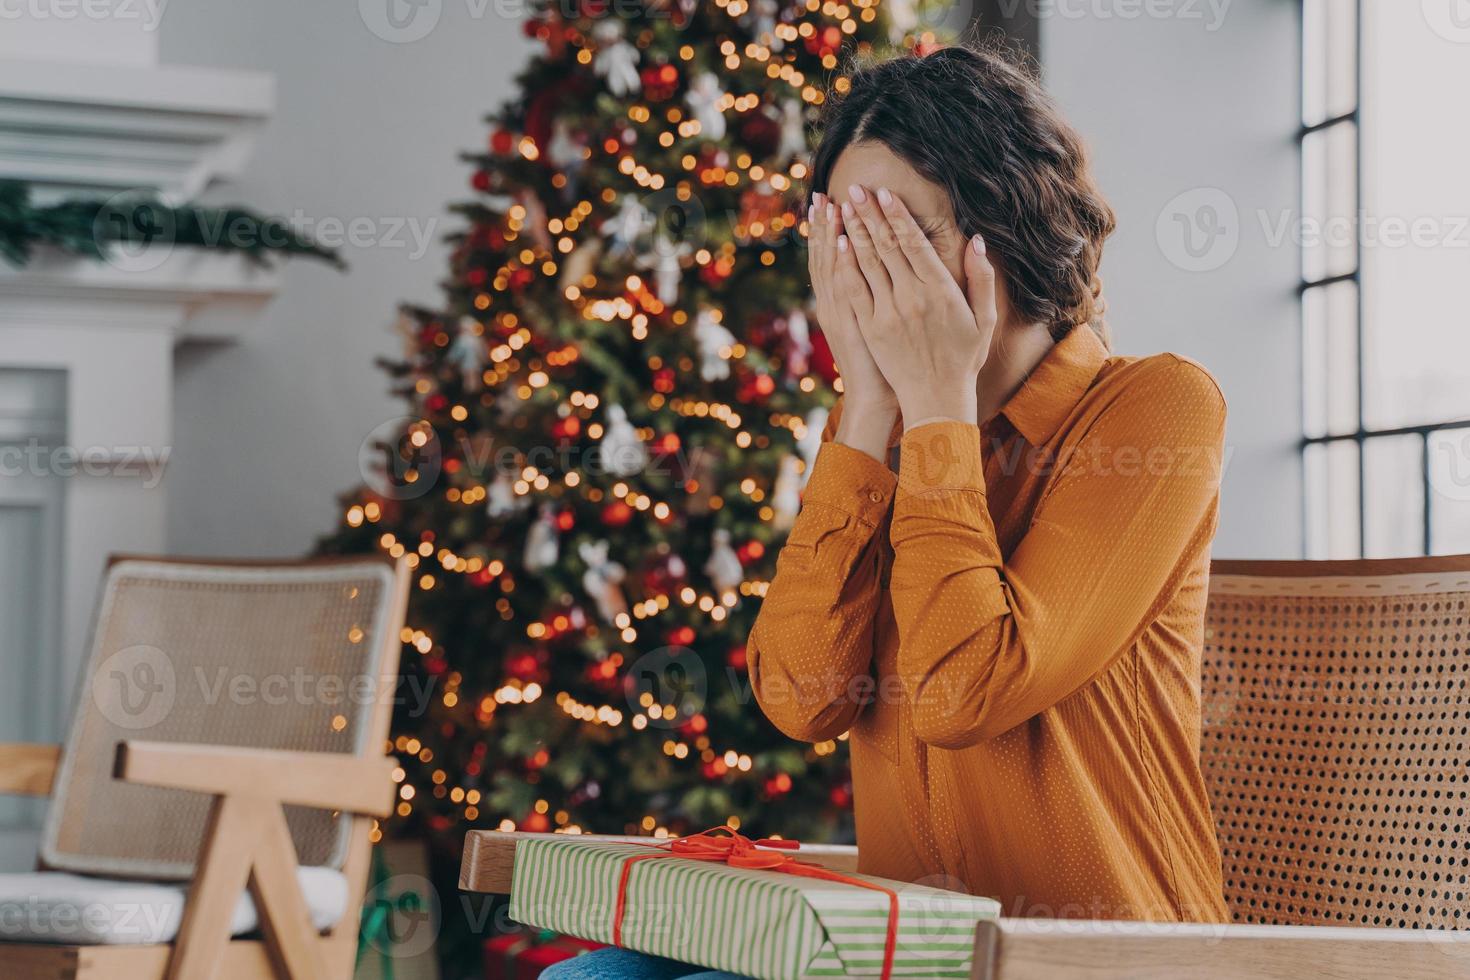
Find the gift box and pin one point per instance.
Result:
(523, 955)
(754, 908)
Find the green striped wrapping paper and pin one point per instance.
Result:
(762, 924)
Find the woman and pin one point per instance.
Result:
(1007, 612)
(1009, 625)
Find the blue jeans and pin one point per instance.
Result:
(624, 964)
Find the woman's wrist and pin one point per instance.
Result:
(866, 426)
(940, 406)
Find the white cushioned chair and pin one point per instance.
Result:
(213, 805)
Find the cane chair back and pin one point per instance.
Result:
(1336, 740)
(295, 656)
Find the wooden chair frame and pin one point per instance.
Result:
(246, 846)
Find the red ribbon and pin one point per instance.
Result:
(765, 854)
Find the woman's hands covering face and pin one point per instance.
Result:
(841, 307)
(870, 407)
(928, 335)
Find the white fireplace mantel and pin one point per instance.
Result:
(87, 347)
(174, 131)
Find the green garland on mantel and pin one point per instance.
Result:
(90, 227)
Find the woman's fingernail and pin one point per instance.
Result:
(857, 193)
(842, 243)
(819, 199)
(978, 244)
(884, 198)
(846, 209)
(831, 211)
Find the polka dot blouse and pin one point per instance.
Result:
(1010, 629)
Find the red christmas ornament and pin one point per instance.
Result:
(778, 785)
(761, 133)
(480, 181)
(524, 666)
(660, 82)
(663, 380)
(749, 552)
(756, 387)
(736, 657)
(567, 428)
(476, 277)
(666, 575)
(823, 365)
(696, 725)
(436, 402)
(681, 636)
(536, 823)
(715, 273)
(520, 278)
(667, 444)
(565, 519)
(841, 796)
(617, 514)
(826, 41)
(502, 141)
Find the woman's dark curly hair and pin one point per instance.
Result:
(980, 126)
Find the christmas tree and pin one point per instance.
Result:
(610, 421)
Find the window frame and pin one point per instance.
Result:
(1361, 435)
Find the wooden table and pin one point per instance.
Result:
(1075, 949)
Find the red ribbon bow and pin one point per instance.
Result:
(765, 854)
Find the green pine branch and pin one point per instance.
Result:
(91, 227)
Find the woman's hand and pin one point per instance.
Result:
(929, 336)
(869, 405)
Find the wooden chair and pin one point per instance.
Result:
(1336, 747)
(231, 725)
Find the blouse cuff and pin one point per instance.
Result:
(852, 482)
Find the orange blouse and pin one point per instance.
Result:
(1010, 629)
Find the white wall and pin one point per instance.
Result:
(1201, 100)
(268, 430)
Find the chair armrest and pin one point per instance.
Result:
(489, 857)
(28, 770)
(326, 780)
(1068, 949)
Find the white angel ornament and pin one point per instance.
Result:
(625, 227)
(623, 453)
(500, 498)
(616, 60)
(714, 343)
(724, 568)
(704, 98)
(667, 263)
(467, 352)
(786, 497)
(811, 441)
(799, 332)
(793, 130)
(603, 580)
(543, 545)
